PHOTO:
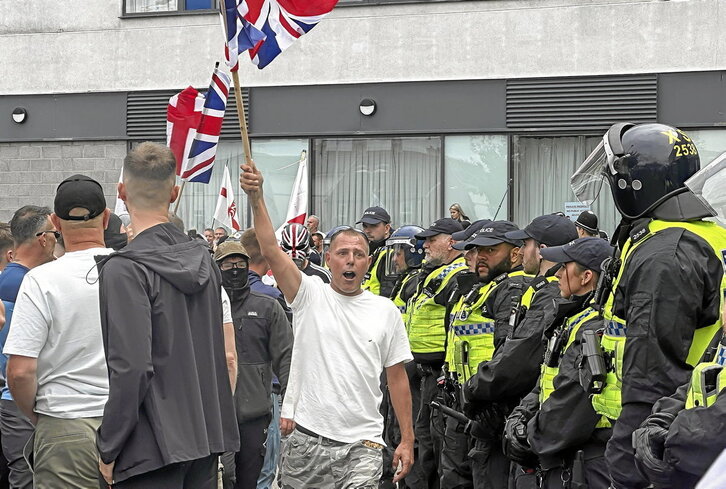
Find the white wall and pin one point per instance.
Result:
(72, 46)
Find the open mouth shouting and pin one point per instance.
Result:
(349, 275)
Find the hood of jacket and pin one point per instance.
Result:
(183, 262)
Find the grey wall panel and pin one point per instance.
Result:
(64, 116)
(401, 108)
(692, 99)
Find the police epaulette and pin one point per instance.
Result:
(501, 278)
(640, 231)
(538, 282)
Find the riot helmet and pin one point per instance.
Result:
(295, 241)
(643, 164)
(404, 250)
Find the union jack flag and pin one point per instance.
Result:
(280, 22)
(241, 35)
(198, 164)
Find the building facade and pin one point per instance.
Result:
(488, 103)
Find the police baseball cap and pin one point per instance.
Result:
(550, 230)
(374, 215)
(79, 191)
(229, 248)
(589, 252)
(446, 225)
(587, 220)
(493, 234)
(473, 228)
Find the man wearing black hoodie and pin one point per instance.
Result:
(170, 410)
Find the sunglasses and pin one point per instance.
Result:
(55, 233)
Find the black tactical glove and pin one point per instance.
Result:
(649, 445)
(514, 442)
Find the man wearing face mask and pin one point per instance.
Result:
(264, 345)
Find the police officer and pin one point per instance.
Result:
(427, 336)
(264, 345)
(376, 223)
(403, 259)
(667, 289)
(557, 419)
(480, 324)
(676, 445)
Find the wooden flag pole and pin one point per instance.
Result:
(242, 120)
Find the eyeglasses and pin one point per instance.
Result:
(230, 266)
(55, 233)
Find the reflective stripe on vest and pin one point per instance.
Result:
(609, 402)
(571, 327)
(472, 339)
(426, 332)
(372, 283)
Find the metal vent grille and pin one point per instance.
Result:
(594, 102)
(146, 114)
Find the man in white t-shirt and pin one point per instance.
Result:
(57, 369)
(344, 338)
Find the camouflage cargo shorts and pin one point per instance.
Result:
(309, 462)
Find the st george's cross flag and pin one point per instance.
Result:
(193, 124)
(297, 207)
(281, 22)
(226, 211)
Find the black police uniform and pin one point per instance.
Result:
(695, 438)
(490, 468)
(566, 421)
(660, 328)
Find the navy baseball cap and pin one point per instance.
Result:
(589, 252)
(446, 225)
(493, 234)
(550, 230)
(374, 215)
(473, 228)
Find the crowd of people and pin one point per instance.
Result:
(464, 354)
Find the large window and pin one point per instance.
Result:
(132, 7)
(710, 143)
(278, 161)
(400, 174)
(542, 168)
(476, 175)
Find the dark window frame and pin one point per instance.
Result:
(181, 10)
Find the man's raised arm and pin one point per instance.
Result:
(286, 272)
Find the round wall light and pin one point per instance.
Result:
(367, 107)
(20, 115)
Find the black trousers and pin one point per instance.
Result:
(619, 452)
(195, 474)
(251, 456)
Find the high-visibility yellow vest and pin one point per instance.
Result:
(532, 290)
(547, 374)
(699, 394)
(609, 401)
(371, 282)
(472, 338)
(398, 300)
(426, 331)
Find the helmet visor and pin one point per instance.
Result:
(587, 181)
(708, 185)
(396, 257)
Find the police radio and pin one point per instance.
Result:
(608, 271)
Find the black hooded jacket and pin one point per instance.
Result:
(161, 316)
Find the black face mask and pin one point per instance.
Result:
(234, 280)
